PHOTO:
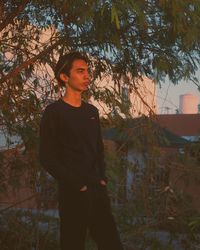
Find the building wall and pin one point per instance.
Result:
(140, 92)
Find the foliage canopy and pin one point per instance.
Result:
(143, 37)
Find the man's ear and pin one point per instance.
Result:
(64, 77)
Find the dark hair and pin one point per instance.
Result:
(65, 62)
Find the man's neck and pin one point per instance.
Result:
(73, 98)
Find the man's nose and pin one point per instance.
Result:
(87, 75)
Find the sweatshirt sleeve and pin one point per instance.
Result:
(100, 153)
(49, 152)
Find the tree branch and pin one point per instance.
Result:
(17, 203)
(15, 13)
(28, 62)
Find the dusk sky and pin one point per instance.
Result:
(168, 95)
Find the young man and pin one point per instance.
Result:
(71, 150)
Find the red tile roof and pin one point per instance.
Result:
(181, 124)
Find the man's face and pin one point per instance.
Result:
(79, 77)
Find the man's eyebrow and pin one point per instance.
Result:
(81, 68)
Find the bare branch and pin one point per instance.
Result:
(19, 202)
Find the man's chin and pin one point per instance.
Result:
(81, 89)
(85, 88)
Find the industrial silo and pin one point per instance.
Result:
(188, 104)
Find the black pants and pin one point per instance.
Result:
(89, 210)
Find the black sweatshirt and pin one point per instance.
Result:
(71, 147)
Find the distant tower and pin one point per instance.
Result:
(188, 104)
